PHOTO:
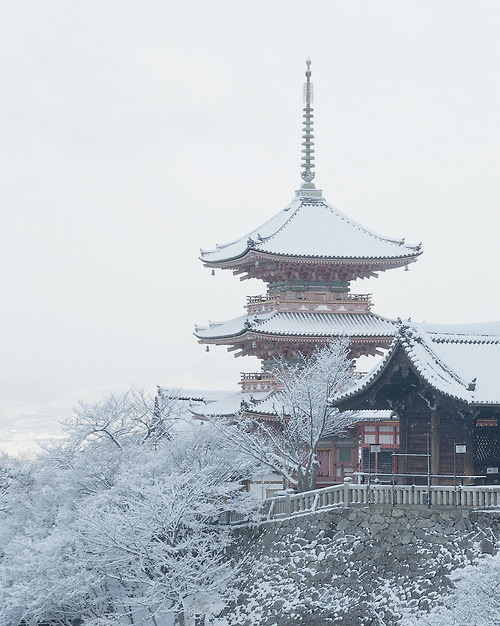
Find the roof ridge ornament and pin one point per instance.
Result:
(308, 189)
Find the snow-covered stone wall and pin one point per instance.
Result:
(356, 566)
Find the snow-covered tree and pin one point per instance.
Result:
(303, 416)
(131, 416)
(474, 600)
(109, 527)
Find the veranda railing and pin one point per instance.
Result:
(349, 494)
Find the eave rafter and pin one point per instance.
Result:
(265, 346)
(273, 268)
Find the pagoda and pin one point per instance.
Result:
(307, 254)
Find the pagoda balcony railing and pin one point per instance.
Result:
(351, 297)
(251, 381)
(256, 376)
(261, 299)
(290, 302)
(269, 375)
(258, 381)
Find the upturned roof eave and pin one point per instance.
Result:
(421, 372)
(257, 328)
(252, 333)
(261, 254)
(466, 399)
(219, 337)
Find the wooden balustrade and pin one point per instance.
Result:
(350, 297)
(284, 300)
(258, 376)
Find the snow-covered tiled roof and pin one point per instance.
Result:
(185, 402)
(193, 395)
(302, 325)
(272, 405)
(373, 415)
(308, 228)
(231, 403)
(275, 404)
(462, 362)
(266, 403)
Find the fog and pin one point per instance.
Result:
(134, 133)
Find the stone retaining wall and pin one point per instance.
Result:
(355, 566)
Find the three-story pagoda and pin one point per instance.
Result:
(307, 254)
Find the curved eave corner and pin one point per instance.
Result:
(215, 338)
(222, 262)
(420, 368)
(433, 378)
(357, 260)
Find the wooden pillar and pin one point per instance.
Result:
(435, 445)
(469, 469)
(403, 447)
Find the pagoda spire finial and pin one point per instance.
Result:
(307, 188)
(308, 143)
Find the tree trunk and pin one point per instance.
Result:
(314, 472)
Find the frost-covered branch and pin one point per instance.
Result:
(118, 522)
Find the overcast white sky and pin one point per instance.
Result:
(133, 133)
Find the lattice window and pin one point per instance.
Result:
(385, 461)
(488, 449)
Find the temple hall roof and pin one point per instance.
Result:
(314, 229)
(460, 361)
(230, 403)
(265, 404)
(304, 324)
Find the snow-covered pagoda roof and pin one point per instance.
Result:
(309, 229)
(460, 361)
(304, 324)
(312, 228)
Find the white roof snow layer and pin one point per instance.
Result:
(302, 325)
(265, 403)
(462, 362)
(231, 403)
(313, 229)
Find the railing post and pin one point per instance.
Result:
(347, 490)
(288, 504)
(315, 502)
